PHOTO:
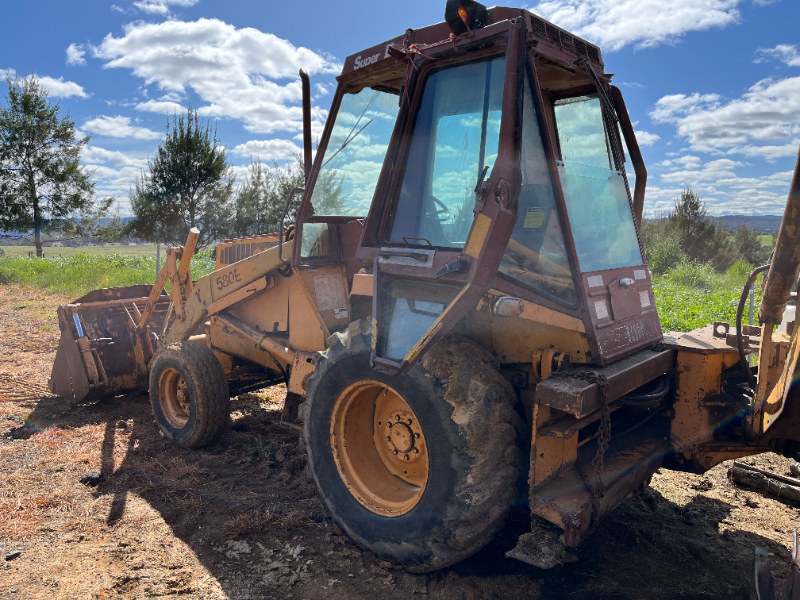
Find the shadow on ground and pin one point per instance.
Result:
(244, 506)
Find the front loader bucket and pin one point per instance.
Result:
(102, 352)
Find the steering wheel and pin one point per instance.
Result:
(440, 212)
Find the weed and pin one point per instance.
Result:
(252, 522)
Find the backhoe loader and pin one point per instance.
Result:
(461, 311)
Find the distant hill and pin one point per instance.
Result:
(763, 223)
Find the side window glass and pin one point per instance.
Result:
(595, 193)
(456, 135)
(536, 257)
(354, 157)
(316, 241)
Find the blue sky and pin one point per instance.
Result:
(713, 85)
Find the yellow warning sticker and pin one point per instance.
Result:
(534, 218)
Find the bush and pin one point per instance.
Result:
(664, 255)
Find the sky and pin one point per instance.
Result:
(713, 86)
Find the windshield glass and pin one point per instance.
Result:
(536, 256)
(355, 153)
(596, 195)
(455, 137)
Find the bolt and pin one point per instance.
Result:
(410, 421)
(416, 436)
(389, 424)
(416, 450)
(407, 457)
(394, 452)
(397, 417)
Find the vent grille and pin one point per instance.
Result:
(553, 34)
(538, 27)
(545, 30)
(236, 252)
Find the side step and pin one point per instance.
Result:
(566, 502)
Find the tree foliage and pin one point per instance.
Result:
(42, 183)
(689, 234)
(188, 184)
(259, 200)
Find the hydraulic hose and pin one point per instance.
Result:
(739, 312)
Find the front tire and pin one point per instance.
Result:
(452, 415)
(189, 394)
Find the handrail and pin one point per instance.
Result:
(283, 216)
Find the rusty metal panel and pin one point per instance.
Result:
(305, 365)
(565, 501)
(68, 378)
(570, 391)
(621, 312)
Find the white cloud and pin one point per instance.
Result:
(162, 107)
(645, 138)
(58, 88)
(162, 7)
(75, 54)
(119, 127)
(275, 149)
(94, 155)
(615, 24)
(235, 72)
(11, 73)
(769, 110)
(782, 52)
(770, 153)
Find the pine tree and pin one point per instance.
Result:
(188, 184)
(42, 183)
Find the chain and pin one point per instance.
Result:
(596, 489)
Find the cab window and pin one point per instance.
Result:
(596, 193)
(536, 256)
(455, 137)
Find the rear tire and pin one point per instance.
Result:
(469, 427)
(189, 394)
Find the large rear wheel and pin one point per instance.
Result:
(419, 468)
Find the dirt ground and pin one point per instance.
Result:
(240, 520)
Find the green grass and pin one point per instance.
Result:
(693, 295)
(688, 296)
(81, 273)
(55, 252)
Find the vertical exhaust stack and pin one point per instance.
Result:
(306, 123)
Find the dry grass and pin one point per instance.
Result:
(253, 522)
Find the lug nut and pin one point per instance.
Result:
(397, 417)
(416, 436)
(394, 452)
(406, 456)
(416, 450)
(389, 438)
(389, 424)
(410, 421)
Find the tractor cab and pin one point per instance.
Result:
(483, 166)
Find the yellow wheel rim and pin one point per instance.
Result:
(174, 399)
(379, 448)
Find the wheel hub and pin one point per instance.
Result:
(379, 448)
(174, 398)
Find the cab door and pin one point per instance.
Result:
(451, 199)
